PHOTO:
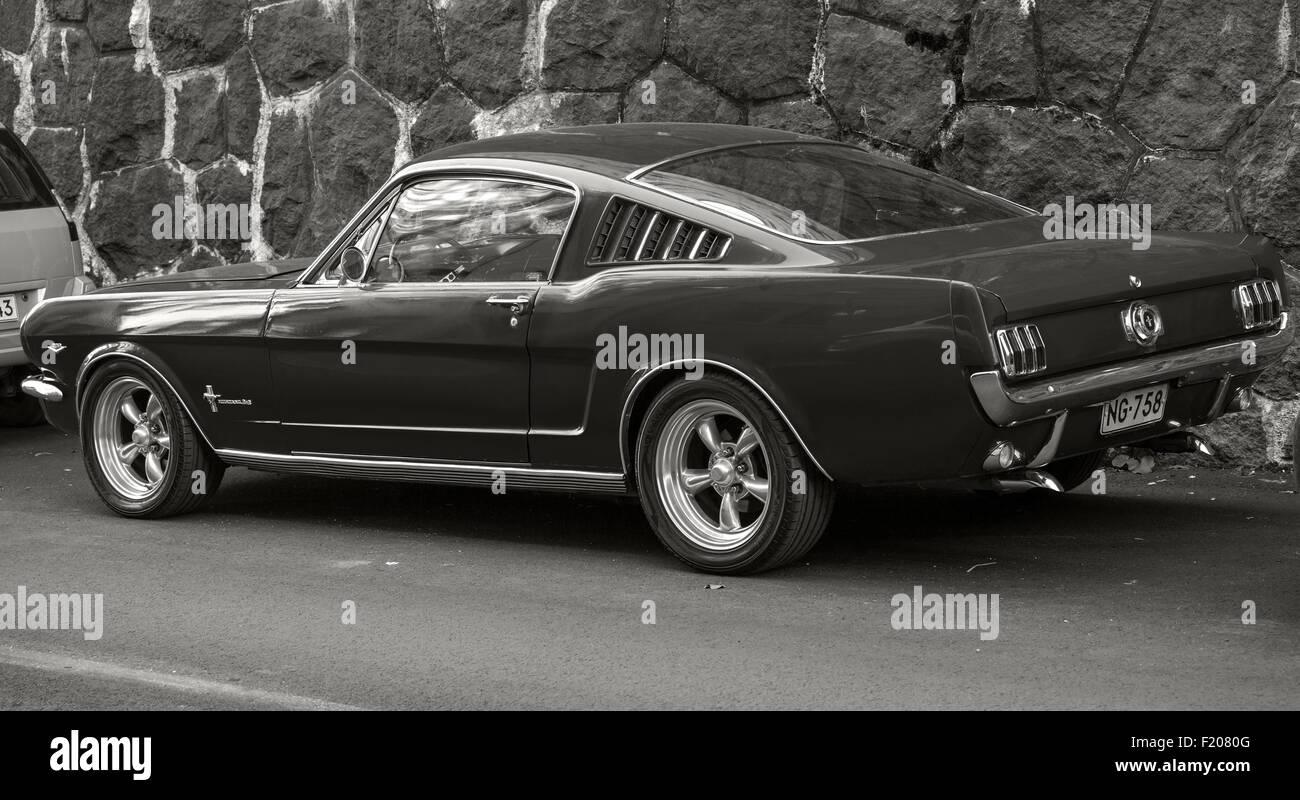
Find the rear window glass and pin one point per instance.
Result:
(22, 185)
(825, 192)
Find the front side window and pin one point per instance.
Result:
(824, 192)
(472, 229)
(444, 230)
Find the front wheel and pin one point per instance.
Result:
(144, 456)
(723, 482)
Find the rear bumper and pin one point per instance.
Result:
(1008, 406)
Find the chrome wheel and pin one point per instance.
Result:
(712, 474)
(131, 438)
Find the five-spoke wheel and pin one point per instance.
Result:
(142, 451)
(724, 483)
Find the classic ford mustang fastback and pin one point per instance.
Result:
(726, 321)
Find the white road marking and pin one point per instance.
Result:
(50, 662)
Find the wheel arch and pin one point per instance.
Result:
(651, 382)
(109, 354)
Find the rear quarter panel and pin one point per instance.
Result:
(856, 362)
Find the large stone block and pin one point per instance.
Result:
(19, 24)
(601, 44)
(485, 47)
(63, 72)
(1086, 46)
(1185, 89)
(748, 50)
(286, 182)
(243, 102)
(299, 43)
(125, 224)
(879, 84)
(447, 118)
(677, 97)
(199, 136)
(1000, 61)
(109, 22)
(352, 146)
(58, 151)
(399, 47)
(188, 34)
(1034, 156)
(124, 125)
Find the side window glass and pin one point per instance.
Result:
(472, 229)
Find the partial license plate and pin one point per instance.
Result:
(8, 307)
(1135, 408)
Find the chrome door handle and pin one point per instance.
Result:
(518, 305)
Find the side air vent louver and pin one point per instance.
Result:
(630, 232)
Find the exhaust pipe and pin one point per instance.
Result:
(1180, 442)
(1024, 480)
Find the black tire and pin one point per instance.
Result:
(20, 411)
(789, 524)
(1074, 471)
(186, 455)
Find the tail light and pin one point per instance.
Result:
(1021, 349)
(1258, 303)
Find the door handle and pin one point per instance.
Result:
(518, 305)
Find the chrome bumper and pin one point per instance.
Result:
(1030, 401)
(42, 388)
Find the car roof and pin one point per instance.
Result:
(615, 150)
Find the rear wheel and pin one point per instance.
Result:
(723, 482)
(1074, 471)
(144, 456)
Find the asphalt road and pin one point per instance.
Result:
(465, 599)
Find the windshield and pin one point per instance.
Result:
(825, 192)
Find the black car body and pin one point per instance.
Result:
(976, 351)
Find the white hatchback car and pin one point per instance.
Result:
(40, 257)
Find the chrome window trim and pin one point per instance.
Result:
(419, 171)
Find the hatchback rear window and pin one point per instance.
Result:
(825, 192)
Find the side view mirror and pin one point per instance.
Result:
(353, 265)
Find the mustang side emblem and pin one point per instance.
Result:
(211, 397)
(1135, 281)
(1142, 323)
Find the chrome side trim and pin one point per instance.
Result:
(454, 474)
(490, 431)
(635, 391)
(1009, 405)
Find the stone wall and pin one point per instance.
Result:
(300, 108)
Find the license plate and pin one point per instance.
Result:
(8, 307)
(1135, 408)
